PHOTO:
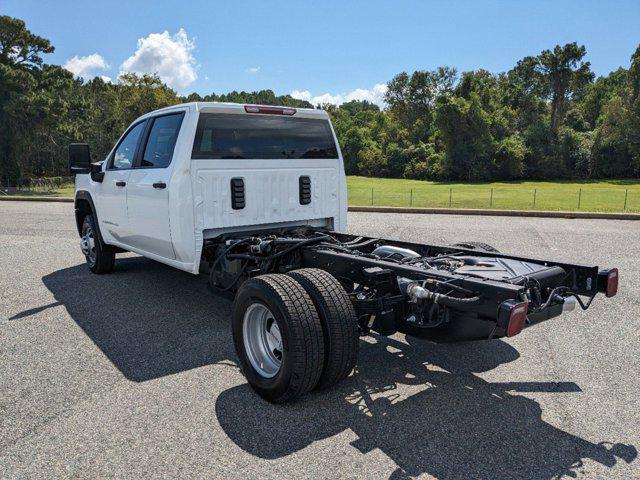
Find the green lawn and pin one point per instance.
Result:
(596, 196)
(64, 191)
(588, 196)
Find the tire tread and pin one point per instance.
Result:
(306, 344)
(339, 323)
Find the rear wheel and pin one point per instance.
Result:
(278, 337)
(98, 258)
(339, 323)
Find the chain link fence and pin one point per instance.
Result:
(557, 198)
(554, 198)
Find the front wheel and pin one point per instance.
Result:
(278, 337)
(98, 259)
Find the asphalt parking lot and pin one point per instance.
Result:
(133, 374)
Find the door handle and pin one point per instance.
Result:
(159, 185)
(120, 183)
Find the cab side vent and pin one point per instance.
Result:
(237, 193)
(305, 190)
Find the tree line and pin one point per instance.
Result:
(548, 117)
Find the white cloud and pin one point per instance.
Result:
(301, 95)
(374, 94)
(106, 79)
(167, 56)
(252, 70)
(86, 67)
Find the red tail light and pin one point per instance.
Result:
(269, 110)
(608, 281)
(517, 319)
(612, 282)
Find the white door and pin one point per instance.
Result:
(112, 207)
(148, 188)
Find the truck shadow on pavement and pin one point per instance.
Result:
(423, 407)
(420, 404)
(150, 320)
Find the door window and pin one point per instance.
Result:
(125, 152)
(162, 141)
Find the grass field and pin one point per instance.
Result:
(62, 192)
(588, 196)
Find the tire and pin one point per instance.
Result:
(99, 260)
(274, 314)
(476, 246)
(339, 323)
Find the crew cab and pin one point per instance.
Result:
(255, 197)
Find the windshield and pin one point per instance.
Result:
(223, 135)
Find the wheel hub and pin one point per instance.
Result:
(88, 245)
(262, 340)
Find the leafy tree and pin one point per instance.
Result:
(557, 78)
(354, 141)
(143, 93)
(611, 147)
(20, 61)
(18, 46)
(423, 162)
(509, 158)
(465, 131)
(54, 115)
(545, 118)
(263, 97)
(103, 122)
(412, 98)
(562, 75)
(372, 161)
(634, 114)
(599, 93)
(574, 148)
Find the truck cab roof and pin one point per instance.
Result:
(240, 108)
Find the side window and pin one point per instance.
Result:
(162, 140)
(124, 155)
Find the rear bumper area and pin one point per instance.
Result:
(467, 326)
(550, 312)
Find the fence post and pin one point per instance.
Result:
(491, 199)
(626, 192)
(535, 191)
(450, 191)
(372, 196)
(411, 198)
(579, 198)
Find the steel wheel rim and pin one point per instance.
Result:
(262, 340)
(88, 245)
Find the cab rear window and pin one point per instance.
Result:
(247, 136)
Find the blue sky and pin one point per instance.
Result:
(341, 48)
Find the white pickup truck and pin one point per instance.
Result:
(256, 197)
